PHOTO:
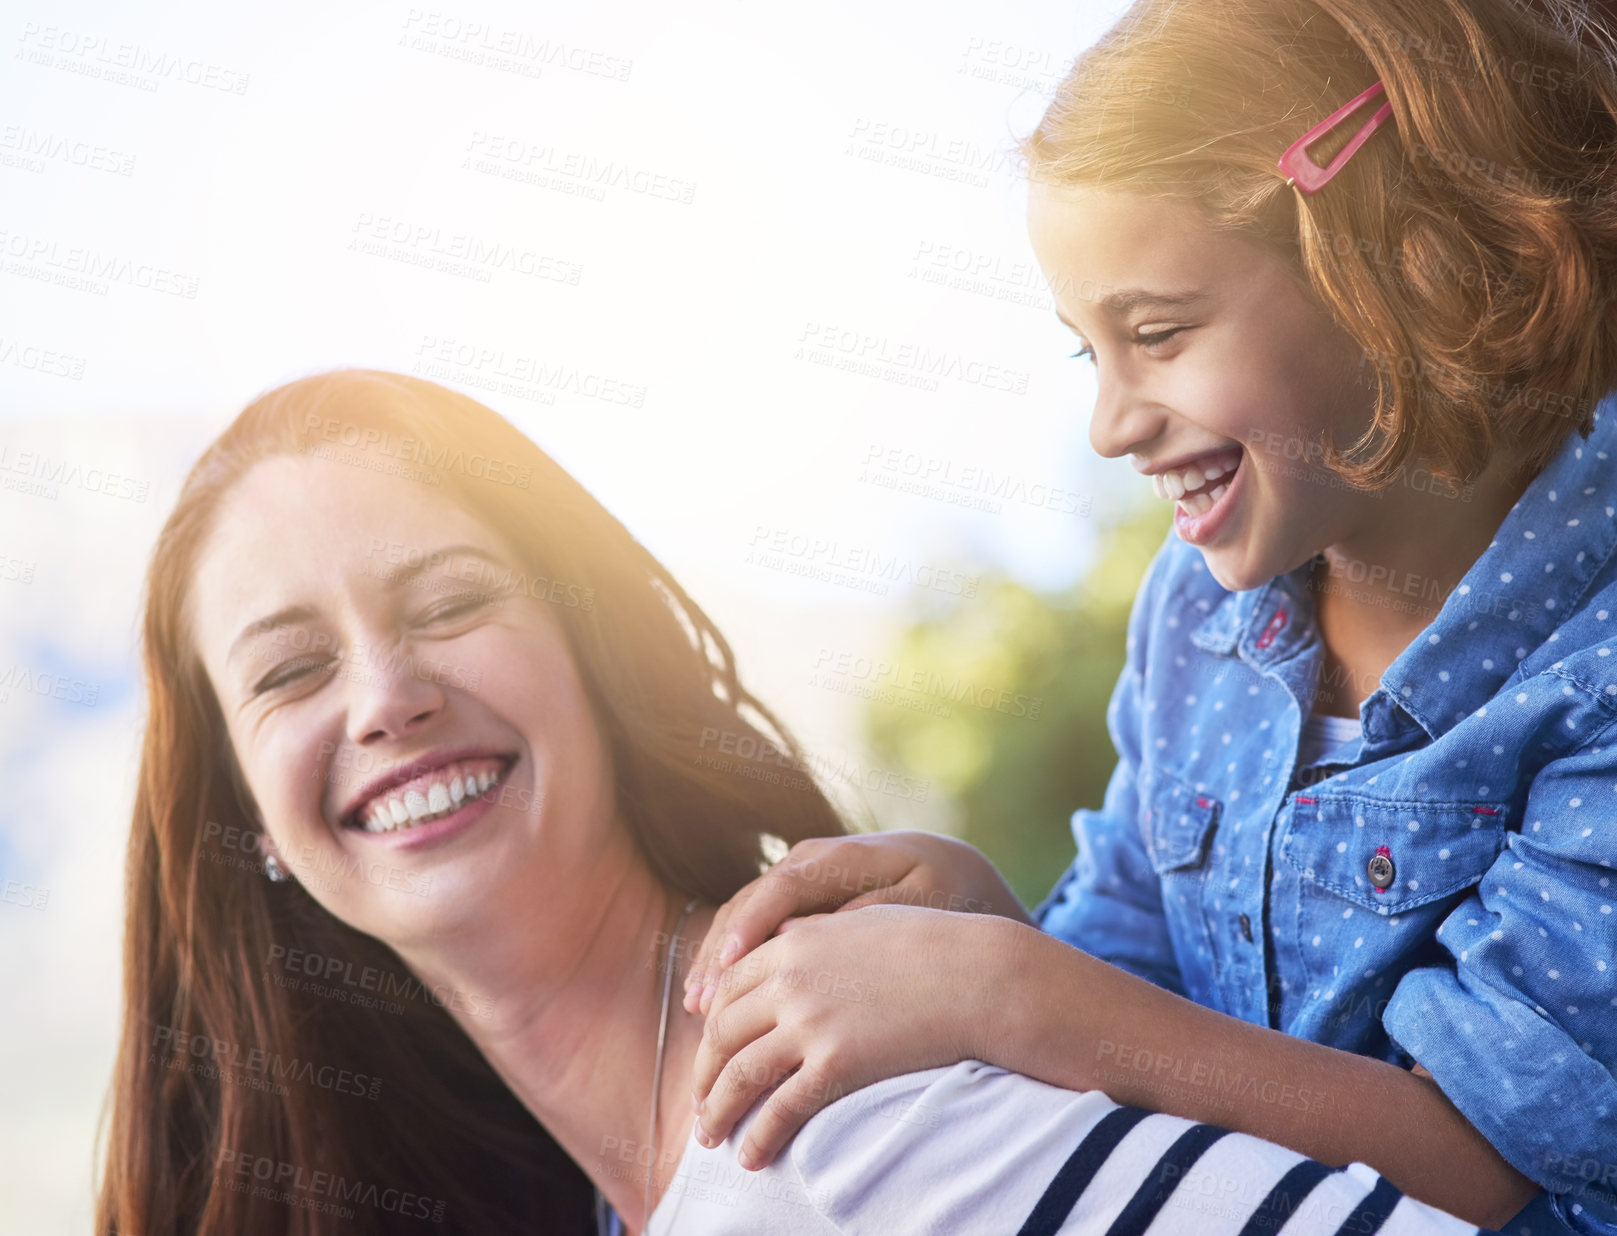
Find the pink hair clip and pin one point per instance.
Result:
(1309, 176)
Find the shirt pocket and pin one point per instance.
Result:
(1426, 853)
(1179, 824)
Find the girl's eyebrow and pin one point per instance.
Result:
(1124, 301)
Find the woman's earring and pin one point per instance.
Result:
(273, 869)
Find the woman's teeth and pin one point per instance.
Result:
(427, 798)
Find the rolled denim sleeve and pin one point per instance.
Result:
(1519, 1025)
(1109, 901)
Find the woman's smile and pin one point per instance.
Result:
(405, 805)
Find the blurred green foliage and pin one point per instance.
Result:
(1016, 779)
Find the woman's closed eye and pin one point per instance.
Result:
(288, 672)
(458, 606)
(299, 668)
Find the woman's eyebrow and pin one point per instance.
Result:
(394, 579)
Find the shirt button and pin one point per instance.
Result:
(1246, 928)
(1381, 870)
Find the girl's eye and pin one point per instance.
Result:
(1156, 337)
(290, 671)
(1148, 341)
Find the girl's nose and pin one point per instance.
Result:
(1122, 420)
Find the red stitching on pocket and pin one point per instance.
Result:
(1273, 629)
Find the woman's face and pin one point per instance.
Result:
(1246, 369)
(402, 645)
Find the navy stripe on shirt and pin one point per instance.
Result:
(1163, 1179)
(1063, 1192)
(1372, 1211)
(1276, 1209)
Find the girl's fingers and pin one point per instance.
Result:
(747, 1074)
(730, 1028)
(797, 921)
(783, 1114)
(703, 968)
(814, 878)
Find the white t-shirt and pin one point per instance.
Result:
(1322, 734)
(972, 1150)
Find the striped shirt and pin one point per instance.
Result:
(973, 1149)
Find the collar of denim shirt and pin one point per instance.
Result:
(1529, 580)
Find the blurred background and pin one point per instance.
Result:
(757, 276)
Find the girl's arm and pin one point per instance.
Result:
(932, 988)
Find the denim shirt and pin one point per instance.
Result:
(1482, 790)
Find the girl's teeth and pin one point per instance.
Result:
(416, 803)
(1174, 486)
(437, 797)
(1197, 504)
(1212, 472)
(400, 814)
(1192, 478)
(457, 790)
(1217, 491)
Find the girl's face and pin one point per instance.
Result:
(1208, 351)
(377, 653)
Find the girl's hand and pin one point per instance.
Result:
(839, 1001)
(830, 873)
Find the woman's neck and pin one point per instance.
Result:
(571, 1026)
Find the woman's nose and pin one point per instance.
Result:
(389, 692)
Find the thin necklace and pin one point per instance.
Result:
(662, 1039)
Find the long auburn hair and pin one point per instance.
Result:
(1470, 246)
(205, 1140)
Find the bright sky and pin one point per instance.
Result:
(745, 270)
